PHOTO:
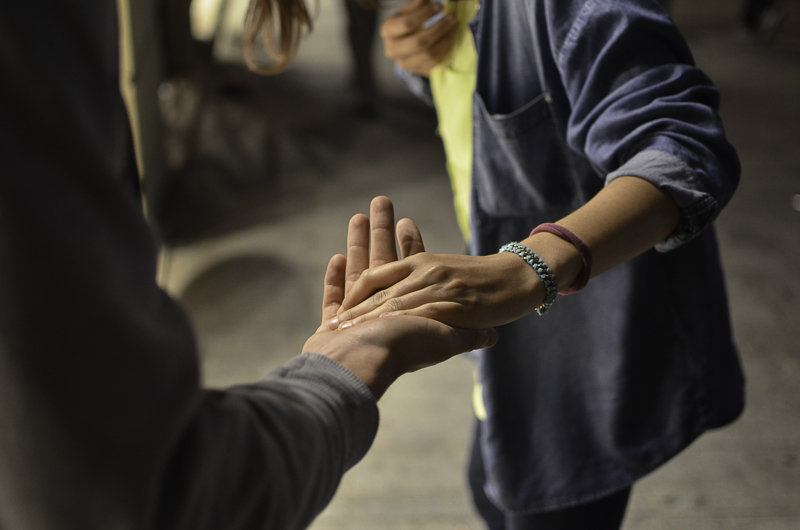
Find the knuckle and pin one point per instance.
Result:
(434, 272)
(380, 297)
(390, 41)
(431, 311)
(367, 275)
(408, 24)
(394, 305)
(458, 286)
(432, 56)
(470, 302)
(383, 230)
(417, 259)
(422, 42)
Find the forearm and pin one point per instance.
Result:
(626, 218)
(269, 454)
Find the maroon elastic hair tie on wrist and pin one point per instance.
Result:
(586, 254)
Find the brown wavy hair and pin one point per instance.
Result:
(281, 24)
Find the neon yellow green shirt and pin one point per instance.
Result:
(452, 86)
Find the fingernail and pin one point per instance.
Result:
(433, 20)
(347, 325)
(333, 323)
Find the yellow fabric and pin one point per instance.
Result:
(452, 86)
(477, 398)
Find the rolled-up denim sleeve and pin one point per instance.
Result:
(640, 107)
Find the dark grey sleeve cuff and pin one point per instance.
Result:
(674, 177)
(416, 84)
(343, 390)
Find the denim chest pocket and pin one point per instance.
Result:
(521, 167)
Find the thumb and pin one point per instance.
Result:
(464, 340)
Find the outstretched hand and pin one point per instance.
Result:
(380, 351)
(464, 291)
(625, 218)
(370, 243)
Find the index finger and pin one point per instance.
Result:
(333, 290)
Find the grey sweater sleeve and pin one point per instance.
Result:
(271, 454)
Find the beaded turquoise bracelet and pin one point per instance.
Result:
(541, 268)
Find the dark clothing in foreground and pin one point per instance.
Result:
(605, 513)
(102, 420)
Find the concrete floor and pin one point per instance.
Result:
(252, 237)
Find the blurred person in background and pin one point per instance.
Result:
(362, 25)
(103, 423)
(584, 131)
(761, 19)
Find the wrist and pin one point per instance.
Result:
(561, 256)
(371, 364)
(528, 288)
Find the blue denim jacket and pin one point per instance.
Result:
(617, 379)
